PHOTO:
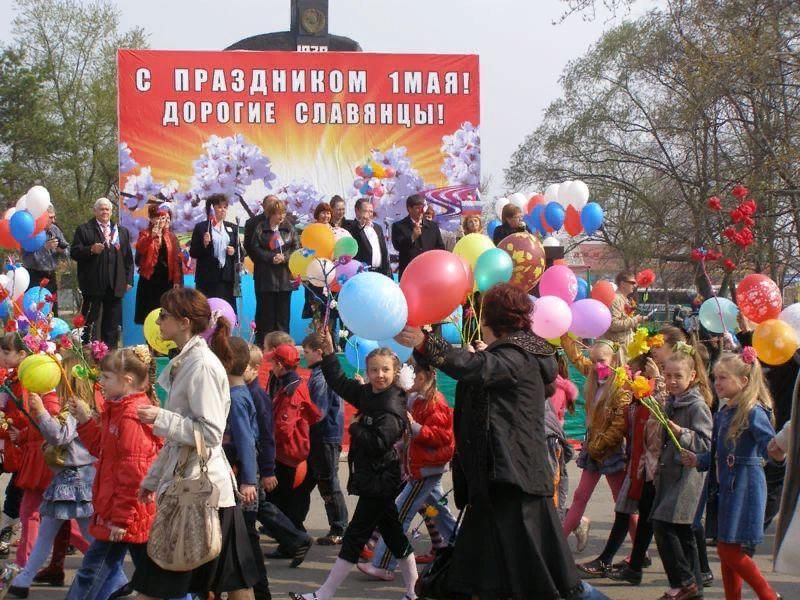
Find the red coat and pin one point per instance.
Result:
(12, 454)
(566, 393)
(636, 415)
(432, 446)
(147, 247)
(33, 473)
(293, 413)
(125, 449)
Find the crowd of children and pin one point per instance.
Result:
(88, 458)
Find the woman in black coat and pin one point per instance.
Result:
(215, 245)
(512, 223)
(510, 543)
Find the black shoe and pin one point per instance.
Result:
(18, 592)
(278, 553)
(594, 569)
(626, 563)
(627, 575)
(331, 539)
(123, 592)
(708, 578)
(71, 550)
(300, 554)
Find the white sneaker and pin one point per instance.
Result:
(375, 572)
(582, 534)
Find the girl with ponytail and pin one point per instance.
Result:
(199, 395)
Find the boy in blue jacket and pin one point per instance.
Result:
(326, 442)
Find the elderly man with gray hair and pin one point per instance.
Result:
(42, 264)
(102, 250)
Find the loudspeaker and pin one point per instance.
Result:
(310, 23)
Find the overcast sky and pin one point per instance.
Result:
(522, 54)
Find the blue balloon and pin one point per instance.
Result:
(591, 217)
(709, 315)
(22, 225)
(32, 297)
(367, 170)
(32, 244)
(403, 352)
(491, 226)
(536, 219)
(583, 289)
(364, 188)
(4, 307)
(451, 333)
(357, 349)
(58, 327)
(554, 215)
(373, 306)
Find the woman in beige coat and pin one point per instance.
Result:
(198, 394)
(623, 320)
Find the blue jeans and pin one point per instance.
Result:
(48, 529)
(414, 496)
(101, 571)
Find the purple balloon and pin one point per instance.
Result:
(219, 308)
(346, 270)
(590, 318)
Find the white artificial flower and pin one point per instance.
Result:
(343, 333)
(405, 378)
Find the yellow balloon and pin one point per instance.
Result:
(39, 373)
(775, 342)
(298, 263)
(471, 246)
(319, 238)
(152, 333)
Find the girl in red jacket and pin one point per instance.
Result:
(125, 448)
(429, 451)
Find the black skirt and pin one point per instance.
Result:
(512, 547)
(233, 569)
(149, 291)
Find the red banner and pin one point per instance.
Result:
(304, 126)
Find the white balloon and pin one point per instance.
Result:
(791, 316)
(519, 199)
(565, 193)
(20, 280)
(550, 242)
(37, 200)
(339, 233)
(22, 203)
(9, 212)
(498, 207)
(4, 282)
(580, 194)
(321, 272)
(551, 193)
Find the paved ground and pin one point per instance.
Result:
(600, 510)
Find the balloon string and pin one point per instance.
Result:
(716, 298)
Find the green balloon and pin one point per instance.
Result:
(345, 246)
(493, 266)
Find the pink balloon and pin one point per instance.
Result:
(219, 308)
(590, 318)
(551, 317)
(559, 281)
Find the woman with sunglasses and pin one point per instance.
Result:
(624, 321)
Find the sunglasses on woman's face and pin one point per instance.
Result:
(631, 282)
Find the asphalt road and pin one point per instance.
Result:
(600, 511)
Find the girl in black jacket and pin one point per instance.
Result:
(374, 465)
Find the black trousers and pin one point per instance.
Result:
(678, 551)
(278, 526)
(294, 502)
(261, 588)
(13, 498)
(52, 284)
(108, 310)
(323, 460)
(221, 289)
(372, 513)
(272, 313)
(644, 529)
(775, 475)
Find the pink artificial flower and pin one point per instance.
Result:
(749, 355)
(98, 350)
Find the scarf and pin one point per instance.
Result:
(148, 248)
(221, 241)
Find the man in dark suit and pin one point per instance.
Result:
(414, 235)
(337, 213)
(215, 245)
(102, 250)
(371, 243)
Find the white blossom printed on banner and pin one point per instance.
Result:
(187, 211)
(301, 199)
(137, 189)
(126, 162)
(462, 150)
(228, 166)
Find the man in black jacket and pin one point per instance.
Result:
(102, 250)
(414, 235)
(371, 243)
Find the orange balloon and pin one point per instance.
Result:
(300, 473)
(535, 201)
(572, 221)
(775, 342)
(604, 292)
(319, 238)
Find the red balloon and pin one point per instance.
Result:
(572, 221)
(433, 284)
(6, 239)
(544, 223)
(759, 298)
(604, 292)
(42, 222)
(470, 276)
(535, 201)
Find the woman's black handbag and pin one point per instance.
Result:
(432, 582)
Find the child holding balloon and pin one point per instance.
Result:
(374, 465)
(601, 453)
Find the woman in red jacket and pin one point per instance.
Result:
(158, 256)
(125, 448)
(429, 451)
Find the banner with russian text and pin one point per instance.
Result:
(303, 126)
